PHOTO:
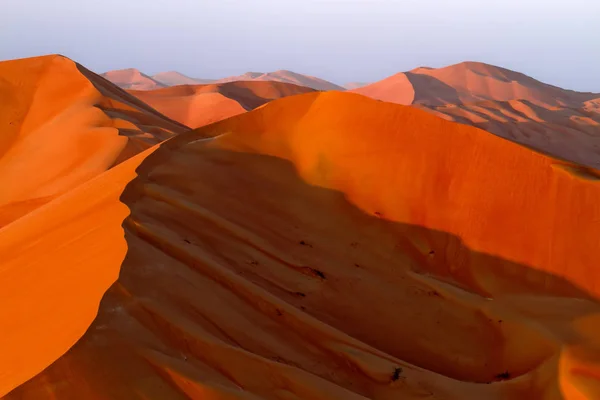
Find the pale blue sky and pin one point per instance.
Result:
(339, 40)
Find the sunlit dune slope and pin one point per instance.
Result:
(571, 133)
(468, 82)
(328, 246)
(62, 125)
(201, 105)
(56, 264)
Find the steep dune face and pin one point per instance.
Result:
(63, 125)
(468, 82)
(131, 78)
(285, 77)
(56, 264)
(328, 246)
(201, 105)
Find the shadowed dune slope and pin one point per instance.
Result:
(201, 105)
(468, 82)
(328, 246)
(62, 125)
(131, 78)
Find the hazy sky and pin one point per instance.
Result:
(556, 41)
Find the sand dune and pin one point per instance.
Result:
(56, 264)
(328, 246)
(468, 82)
(131, 78)
(174, 78)
(569, 133)
(135, 80)
(201, 105)
(286, 77)
(64, 125)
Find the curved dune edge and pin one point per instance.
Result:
(57, 262)
(308, 251)
(62, 126)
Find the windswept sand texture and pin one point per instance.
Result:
(131, 78)
(328, 246)
(61, 126)
(200, 105)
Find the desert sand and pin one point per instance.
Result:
(174, 78)
(135, 80)
(558, 122)
(131, 78)
(325, 246)
(63, 125)
(468, 82)
(200, 105)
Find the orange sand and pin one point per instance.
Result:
(328, 246)
(571, 133)
(64, 125)
(57, 262)
(467, 82)
(200, 105)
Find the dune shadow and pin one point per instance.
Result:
(234, 259)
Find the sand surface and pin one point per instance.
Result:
(329, 246)
(468, 82)
(199, 105)
(131, 78)
(135, 80)
(63, 125)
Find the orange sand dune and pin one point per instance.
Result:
(63, 125)
(328, 246)
(569, 133)
(286, 77)
(468, 82)
(131, 78)
(201, 105)
(57, 262)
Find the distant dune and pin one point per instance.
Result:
(174, 78)
(468, 82)
(559, 122)
(200, 105)
(287, 77)
(323, 246)
(131, 78)
(63, 125)
(355, 85)
(135, 80)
